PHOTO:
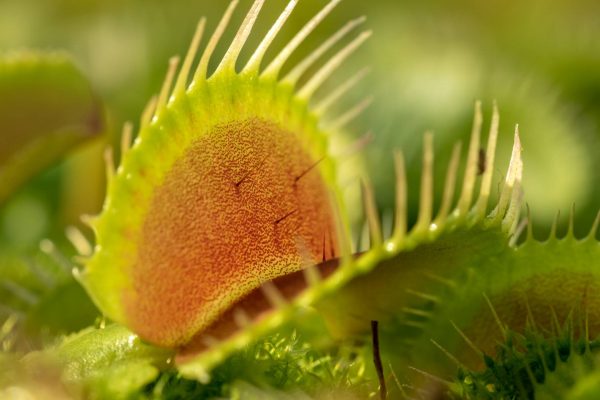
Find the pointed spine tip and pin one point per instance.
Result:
(400, 224)
(467, 340)
(432, 377)
(312, 275)
(89, 220)
(201, 73)
(517, 199)
(449, 185)
(163, 97)
(464, 202)
(209, 341)
(80, 260)
(311, 86)
(241, 318)
(511, 219)
(571, 228)
(517, 231)
(328, 101)
(511, 182)
(184, 73)
(517, 139)
(488, 163)
(296, 73)
(371, 213)
(344, 239)
(109, 164)
(79, 241)
(426, 196)
(253, 65)
(501, 325)
(554, 227)
(148, 113)
(529, 223)
(387, 223)
(49, 248)
(126, 137)
(364, 240)
(594, 229)
(357, 146)
(78, 275)
(348, 116)
(273, 295)
(450, 356)
(229, 61)
(273, 69)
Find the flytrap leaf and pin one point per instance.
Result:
(35, 290)
(457, 298)
(229, 184)
(372, 282)
(46, 108)
(224, 222)
(104, 362)
(445, 292)
(111, 360)
(536, 365)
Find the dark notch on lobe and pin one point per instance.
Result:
(285, 216)
(307, 170)
(331, 243)
(245, 177)
(324, 247)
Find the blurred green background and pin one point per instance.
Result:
(430, 60)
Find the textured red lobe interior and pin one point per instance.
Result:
(243, 205)
(254, 305)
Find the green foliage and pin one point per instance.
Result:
(35, 291)
(545, 366)
(112, 363)
(466, 307)
(102, 362)
(278, 365)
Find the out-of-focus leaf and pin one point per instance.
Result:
(123, 380)
(50, 313)
(46, 107)
(36, 290)
(95, 349)
(102, 363)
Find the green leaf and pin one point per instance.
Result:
(105, 363)
(285, 365)
(46, 108)
(37, 290)
(97, 363)
(122, 380)
(95, 349)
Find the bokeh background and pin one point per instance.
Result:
(429, 60)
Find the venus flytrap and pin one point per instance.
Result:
(228, 174)
(224, 223)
